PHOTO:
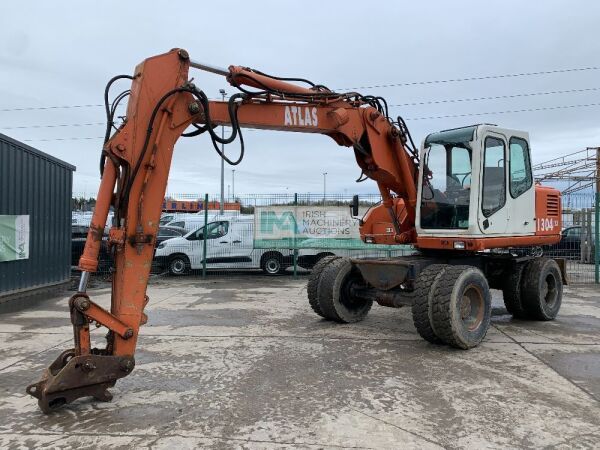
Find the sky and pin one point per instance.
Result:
(62, 53)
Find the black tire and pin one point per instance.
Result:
(312, 287)
(425, 285)
(334, 293)
(309, 262)
(512, 292)
(179, 265)
(272, 263)
(542, 289)
(461, 307)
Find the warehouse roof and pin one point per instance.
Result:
(24, 147)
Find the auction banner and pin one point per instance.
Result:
(308, 227)
(14, 238)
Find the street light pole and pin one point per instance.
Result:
(324, 187)
(233, 184)
(222, 202)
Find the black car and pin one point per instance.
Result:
(78, 238)
(165, 233)
(569, 246)
(105, 260)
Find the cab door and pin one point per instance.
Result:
(492, 211)
(230, 244)
(218, 242)
(242, 243)
(521, 190)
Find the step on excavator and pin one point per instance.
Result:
(465, 200)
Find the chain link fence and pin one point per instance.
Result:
(578, 243)
(198, 241)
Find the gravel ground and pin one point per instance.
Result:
(242, 362)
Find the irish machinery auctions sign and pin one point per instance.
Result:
(306, 227)
(14, 238)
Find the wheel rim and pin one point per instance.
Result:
(350, 301)
(472, 307)
(272, 266)
(178, 266)
(550, 290)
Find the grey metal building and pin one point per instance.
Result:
(35, 193)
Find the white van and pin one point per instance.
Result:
(229, 245)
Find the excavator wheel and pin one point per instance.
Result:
(542, 289)
(512, 292)
(313, 283)
(461, 307)
(425, 286)
(335, 296)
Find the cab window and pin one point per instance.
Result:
(520, 167)
(215, 230)
(446, 186)
(494, 177)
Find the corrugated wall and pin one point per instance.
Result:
(38, 185)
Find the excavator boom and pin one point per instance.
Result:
(135, 165)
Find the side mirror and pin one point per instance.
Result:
(354, 206)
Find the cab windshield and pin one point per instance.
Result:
(446, 186)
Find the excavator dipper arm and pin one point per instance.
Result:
(135, 166)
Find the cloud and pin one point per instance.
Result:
(62, 53)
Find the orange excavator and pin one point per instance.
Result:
(465, 200)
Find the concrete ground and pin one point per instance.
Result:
(242, 362)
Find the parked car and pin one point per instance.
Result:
(78, 238)
(569, 246)
(229, 244)
(169, 232)
(165, 218)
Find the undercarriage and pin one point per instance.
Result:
(449, 293)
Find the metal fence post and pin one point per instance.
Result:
(204, 236)
(294, 240)
(596, 238)
(597, 219)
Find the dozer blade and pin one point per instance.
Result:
(71, 377)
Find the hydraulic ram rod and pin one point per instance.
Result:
(209, 68)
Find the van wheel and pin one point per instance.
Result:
(179, 265)
(272, 264)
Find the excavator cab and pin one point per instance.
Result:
(476, 181)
